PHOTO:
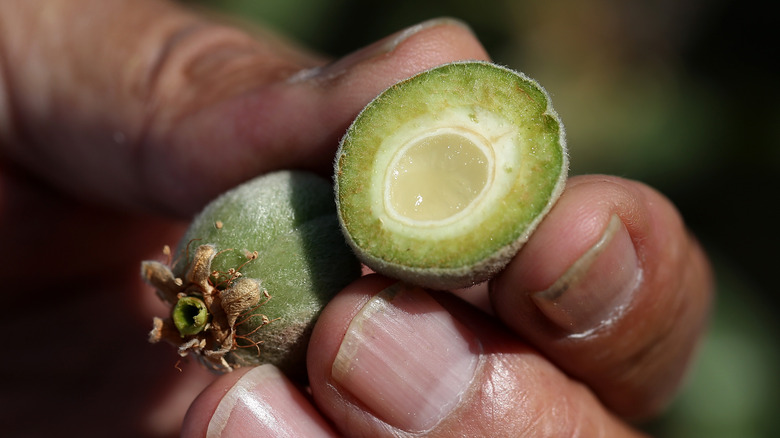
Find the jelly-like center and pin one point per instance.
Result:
(437, 177)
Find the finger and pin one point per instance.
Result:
(251, 402)
(294, 123)
(404, 363)
(613, 289)
(146, 103)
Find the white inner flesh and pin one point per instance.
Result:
(436, 178)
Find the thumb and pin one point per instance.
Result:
(406, 363)
(146, 104)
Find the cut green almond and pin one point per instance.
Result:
(443, 177)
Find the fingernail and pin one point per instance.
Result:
(379, 48)
(263, 403)
(597, 288)
(406, 359)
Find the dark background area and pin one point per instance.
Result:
(682, 95)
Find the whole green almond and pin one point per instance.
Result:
(443, 177)
(252, 273)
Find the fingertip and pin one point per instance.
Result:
(411, 50)
(335, 93)
(254, 401)
(333, 322)
(348, 84)
(611, 289)
(200, 412)
(429, 44)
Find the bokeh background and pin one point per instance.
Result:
(680, 94)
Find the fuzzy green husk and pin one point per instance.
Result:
(266, 257)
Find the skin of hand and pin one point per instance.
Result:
(120, 119)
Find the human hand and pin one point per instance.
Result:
(578, 359)
(146, 111)
(119, 120)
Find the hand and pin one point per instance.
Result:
(119, 119)
(579, 357)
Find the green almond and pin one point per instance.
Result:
(443, 177)
(253, 272)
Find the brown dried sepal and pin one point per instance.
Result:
(230, 298)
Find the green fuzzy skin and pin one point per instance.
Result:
(289, 218)
(467, 96)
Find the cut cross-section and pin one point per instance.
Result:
(443, 177)
(438, 177)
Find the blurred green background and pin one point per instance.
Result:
(679, 94)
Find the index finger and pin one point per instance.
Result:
(167, 118)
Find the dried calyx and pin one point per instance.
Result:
(206, 306)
